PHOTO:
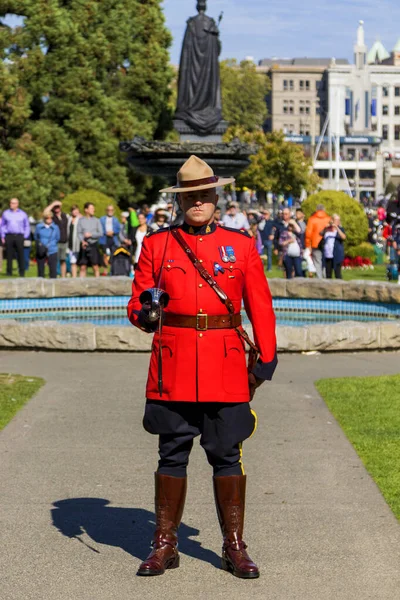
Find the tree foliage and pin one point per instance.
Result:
(278, 166)
(243, 94)
(101, 201)
(352, 214)
(80, 76)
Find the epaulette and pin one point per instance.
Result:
(162, 230)
(242, 231)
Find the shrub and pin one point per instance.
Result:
(365, 250)
(101, 201)
(353, 217)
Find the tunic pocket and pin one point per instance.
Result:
(234, 373)
(173, 279)
(168, 364)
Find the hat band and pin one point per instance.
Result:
(198, 182)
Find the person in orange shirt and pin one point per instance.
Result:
(316, 224)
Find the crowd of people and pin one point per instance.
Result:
(68, 244)
(71, 243)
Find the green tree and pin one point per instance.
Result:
(94, 73)
(276, 166)
(243, 94)
(352, 214)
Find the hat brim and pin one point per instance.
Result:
(220, 183)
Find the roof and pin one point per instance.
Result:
(397, 46)
(377, 53)
(306, 62)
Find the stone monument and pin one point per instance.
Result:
(199, 106)
(198, 117)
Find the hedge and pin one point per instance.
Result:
(352, 214)
(101, 201)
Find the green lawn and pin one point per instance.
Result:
(368, 410)
(376, 274)
(15, 390)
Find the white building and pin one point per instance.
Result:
(364, 102)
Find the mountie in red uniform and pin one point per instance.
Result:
(188, 290)
(211, 362)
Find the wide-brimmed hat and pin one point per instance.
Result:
(195, 175)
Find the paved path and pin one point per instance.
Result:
(76, 491)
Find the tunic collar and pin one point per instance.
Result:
(203, 230)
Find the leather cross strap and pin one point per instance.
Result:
(202, 321)
(203, 272)
(217, 289)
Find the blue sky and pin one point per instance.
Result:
(287, 28)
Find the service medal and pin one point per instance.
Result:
(231, 254)
(223, 253)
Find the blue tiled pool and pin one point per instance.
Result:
(111, 310)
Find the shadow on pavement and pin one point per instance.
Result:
(128, 528)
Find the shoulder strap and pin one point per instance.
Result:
(213, 284)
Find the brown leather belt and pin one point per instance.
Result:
(202, 322)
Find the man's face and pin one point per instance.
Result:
(232, 211)
(286, 215)
(14, 203)
(90, 210)
(217, 214)
(198, 206)
(299, 215)
(266, 214)
(110, 211)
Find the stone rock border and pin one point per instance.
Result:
(48, 335)
(365, 291)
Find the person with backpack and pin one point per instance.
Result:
(47, 236)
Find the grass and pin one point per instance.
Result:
(368, 410)
(376, 274)
(15, 391)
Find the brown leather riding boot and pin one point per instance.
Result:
(230, 494)
(169, 503)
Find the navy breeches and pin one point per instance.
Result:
(223, 428)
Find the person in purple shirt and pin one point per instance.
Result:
(14, 229)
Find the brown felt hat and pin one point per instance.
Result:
(195, 175)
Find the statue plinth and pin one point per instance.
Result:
(188, 134)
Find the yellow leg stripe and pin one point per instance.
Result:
(253, 412)
(240, 459)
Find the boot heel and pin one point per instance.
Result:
(225, 565)
(175, 563)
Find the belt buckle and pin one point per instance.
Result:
(198, 317)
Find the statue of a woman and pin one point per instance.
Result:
(199, 89)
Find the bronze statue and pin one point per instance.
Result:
(199, 89)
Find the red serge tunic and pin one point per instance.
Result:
(205, 366)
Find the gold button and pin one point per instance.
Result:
(201, 260)
(200, 335)
(200, 285)
(168, 266)
(200, 310)
(230, 266)
(200, 239)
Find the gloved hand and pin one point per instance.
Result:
(254, 383)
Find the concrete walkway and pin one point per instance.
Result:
(76, 489)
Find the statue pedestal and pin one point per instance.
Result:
(187, 134)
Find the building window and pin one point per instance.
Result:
(291, 85)
(397, 132)
(385, 132)
(307, 85)
(385, 110)
(397, 110)
(301, 84)
(385, 91)
(285, 84)
(307, 107)
(304, 130)
(397, 91)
